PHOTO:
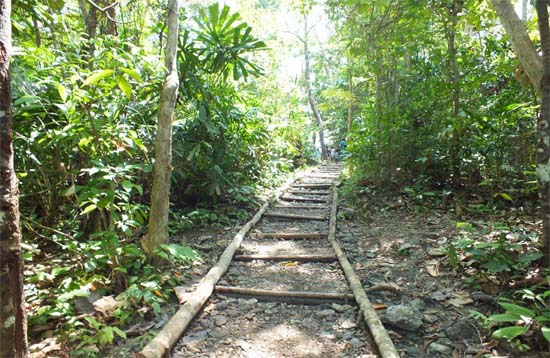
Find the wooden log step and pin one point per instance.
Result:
(299, 258)
(289, 235)
(311, 192)
(301, 198)
(308, 207)
(286, 296)
(312, 185)
(296, 217)
(321, 176)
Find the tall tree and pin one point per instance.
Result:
(537, 69)
(543, 126)
(521, 43)
(309, 90)
(158, 217)
(13, 319)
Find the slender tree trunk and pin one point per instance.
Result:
(158, 218)
(350, 103)
(521, 43)
(13, 319)
(455, 105)
(543, 129)
(311, 97)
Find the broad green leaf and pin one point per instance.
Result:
(127, 185)
(131, 73)
(509, 332)
(546, 332)
(89, 209)
(119, 332)
(124, 86)
(62, 92)
(505, 317)
(97, 76)
(518, 310)
(105, 336)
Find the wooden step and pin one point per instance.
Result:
(308, 207)
(298, 258)
(296, 217)
(289, 235)
(286, 296)
(301, 198)
(310, 192)
(313, 185)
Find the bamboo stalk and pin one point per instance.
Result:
(296, 217)
(299, 258)
(379, 333)
(294, 296)
(293, 235)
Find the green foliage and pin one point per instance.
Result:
(531, 315)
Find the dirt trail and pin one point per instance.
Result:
(246, 327)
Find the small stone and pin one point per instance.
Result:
(460, 330)
(403, 317)
(348, 324)
(232, 313)
(327, 335)
(355, 342)
(428, 318)
(337, 307)
(219, 320)
(220, 306)
(218, 333)
(326, 313)
(440, 348)
(418, 304)
(347, 335)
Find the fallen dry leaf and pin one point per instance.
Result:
(460, 298)
(290, 264)
(432, 267)
(379, 306)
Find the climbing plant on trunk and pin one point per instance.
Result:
(158, 217)
(13, 320)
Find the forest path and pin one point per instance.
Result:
(284, 294)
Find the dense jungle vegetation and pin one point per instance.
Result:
(438, 102)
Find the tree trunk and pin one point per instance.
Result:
(455, 105)
(543, 130)
(158, 218)
(521, 43)
(311, 97)
(13, 319)
(350, 103)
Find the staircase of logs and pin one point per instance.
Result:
(310, 198)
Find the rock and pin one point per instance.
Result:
(429, 318)
(418, 304)
(327, 335)
(403, 317)
(326, 313)
(440, 348)
(348, 324)
(218, 333)
(337, 307)
(355, 342)
(347, 335)
(460, 330)
(219, 320)
(220, 306)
